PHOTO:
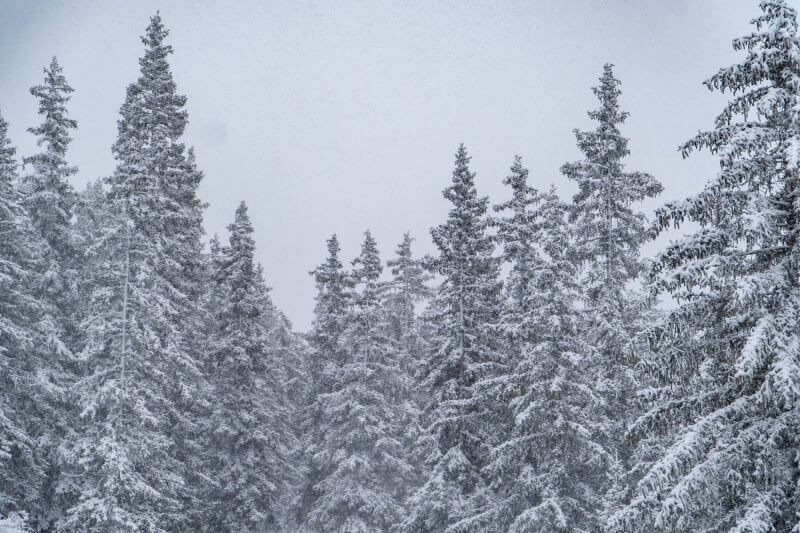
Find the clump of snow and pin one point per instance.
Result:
(13, 523)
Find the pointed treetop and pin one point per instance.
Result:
(608, 93)
(153, 109)
(409, 274)
(214, 244)
(523, 194)
(156, 33)
(403, 251)
(8, 165)
(53, 96)
(242, 233)
(368, 267)
(241, 214)
(462, 158)
(519, 174)
(333, 249)
(462, 191)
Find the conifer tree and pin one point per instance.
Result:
(459, 416)
(727, 361)
(609, 232)
(50, 198)
(362, 425)
(140, 372)
(248, 434)
(408, 342)
(326, 353)
(50, 201)
(408, 287)
(518, 231)
(549, 474)
(21, 469)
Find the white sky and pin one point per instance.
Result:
(340, 116)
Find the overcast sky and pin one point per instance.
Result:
(340, 116)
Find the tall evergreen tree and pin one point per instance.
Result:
(50, 201)
(363, 452)
(21, 469)
(140, 372)
(518, 232)
(408, 343)
(549, 473)
(326, 353)
(728, 362)
(50, 198)
(459, 416)
(408, 287)
(609, 232)
(248, 433)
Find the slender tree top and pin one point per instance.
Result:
(462, 190)
(462, 237)
(333, 262)
(8, 165)
(409, 272)
(53, 96)
(152, 109)
(242, 244)
(368, 267)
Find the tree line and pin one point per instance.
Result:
(523, 378)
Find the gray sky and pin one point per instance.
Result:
(340, 116)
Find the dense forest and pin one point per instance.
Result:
(525, 378)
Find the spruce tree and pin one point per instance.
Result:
(518, 232)
(49, 197)
(326, 353)
(459, 417)
(363, 450)
(727, 361)
(407, 288)
(549, 474)
(408, 343)
(609, 232)
(21, 467)
(50, 200)
(248, 433)
(140, 372)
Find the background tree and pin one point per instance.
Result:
(458, 417)
(21, 466)
(363, 422)
(248, 433)
(550, 472)
(326, 352)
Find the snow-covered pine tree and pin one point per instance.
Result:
(21, 471)
(609, 232)
(248, 427)
(517, 231)
(728, 356)
(363, 452)
(408, 342)
(326, 352)
(549, 474)
(140, 372)
(459, 418)
(408, 287)
(49, 197)
(50, 200)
